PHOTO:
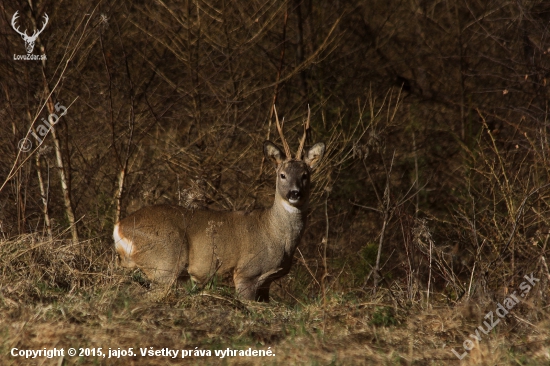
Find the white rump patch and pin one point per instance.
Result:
(290, 208)
(122, 245)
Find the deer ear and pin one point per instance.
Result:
(314, 154)
(273, 153)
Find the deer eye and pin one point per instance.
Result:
(283, 176)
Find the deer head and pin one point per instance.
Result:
(293, 174)
(29, 40)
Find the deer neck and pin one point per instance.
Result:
(287, 223)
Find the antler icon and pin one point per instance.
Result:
(29, 40)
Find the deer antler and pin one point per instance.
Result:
(13, 19)
(303, 140)
(280, 129)
(37, 33)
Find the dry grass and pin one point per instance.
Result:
(55, 294)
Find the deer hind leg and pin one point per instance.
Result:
(160, 273)
(167, 263)
(162, 260)
(163, 269)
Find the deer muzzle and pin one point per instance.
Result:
(293, 196)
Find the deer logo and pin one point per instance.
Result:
(29, 40)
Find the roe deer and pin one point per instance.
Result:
(258, 246)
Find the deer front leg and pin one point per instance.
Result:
(263, 283)
(262, 294)
(254, 288)
(245, 287)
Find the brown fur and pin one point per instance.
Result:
(256, 246)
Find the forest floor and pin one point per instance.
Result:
(107, 314)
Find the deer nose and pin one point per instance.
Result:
(293, 195)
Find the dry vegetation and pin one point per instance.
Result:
(431, 206)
